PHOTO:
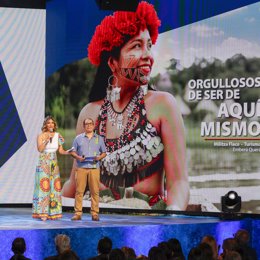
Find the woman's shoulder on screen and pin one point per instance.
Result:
(91, 110)
(159, 99)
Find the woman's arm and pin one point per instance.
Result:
(173, 137)
(62, 151)
(60, 143)
(42, 140)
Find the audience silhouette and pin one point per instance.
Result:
(234, 248)
(18, 248)
(62, 243)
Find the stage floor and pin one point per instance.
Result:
(20, 218)
(140, 232)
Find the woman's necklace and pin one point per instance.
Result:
(117, 118)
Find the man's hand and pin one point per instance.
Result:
(81, 158)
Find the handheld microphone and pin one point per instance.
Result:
(51, 130)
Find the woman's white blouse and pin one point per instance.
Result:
(52, 146)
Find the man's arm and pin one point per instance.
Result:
(100, 157)
(77, 157)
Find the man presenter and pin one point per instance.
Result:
(88, 149)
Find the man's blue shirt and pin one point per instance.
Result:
(86, 147)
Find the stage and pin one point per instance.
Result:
(140, 232)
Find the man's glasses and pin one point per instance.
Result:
(88, 124)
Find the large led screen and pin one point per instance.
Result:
(22, 95)
(186, 128)
(194, 136)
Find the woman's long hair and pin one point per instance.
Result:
(44, 125)
(98, 90)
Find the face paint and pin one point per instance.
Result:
(131, 71)
(135, 75)
(135, 62)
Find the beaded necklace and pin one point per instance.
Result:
(133, 109)
(137, 146)
(117, 118)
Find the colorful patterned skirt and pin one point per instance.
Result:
(47, 188)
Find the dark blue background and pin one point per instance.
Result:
(12, 135)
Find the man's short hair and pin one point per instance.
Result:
(18, 245)
(242, 236)
(104, 245)
(88, 118)
(230, 244)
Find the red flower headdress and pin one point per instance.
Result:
(114, 28)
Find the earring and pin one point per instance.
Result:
(145, 89)
(113, 91)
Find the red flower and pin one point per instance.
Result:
(114, 28)
(57, 185)
(45, 184)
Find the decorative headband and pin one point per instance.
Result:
(114, 28)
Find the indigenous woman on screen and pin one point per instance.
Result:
(47, 188)
(143, 129)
